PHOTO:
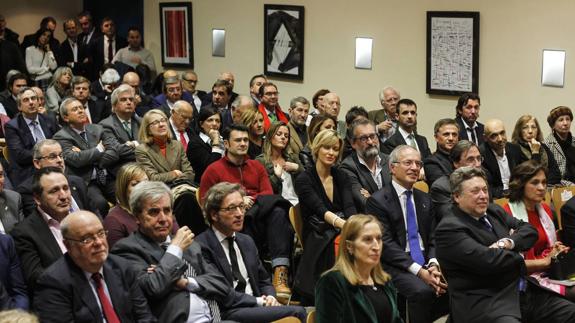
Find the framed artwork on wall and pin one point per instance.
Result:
(452, 52)
(283, 41)
(176, 32)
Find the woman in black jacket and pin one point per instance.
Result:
(207, 147)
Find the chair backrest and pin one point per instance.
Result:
(310, 317)
(296, 222)
(289, 319)
(501, 202)
(422, 186)
(198, 198)
(5, 153)
(559, 196)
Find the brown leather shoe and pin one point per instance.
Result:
(280, 283)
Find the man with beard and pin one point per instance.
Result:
(446, 135)
(466, 114)
(499, 157)
(367, 168)
(298, 110)
(386, 118)
(221, 94)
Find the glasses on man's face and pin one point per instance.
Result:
(271, 94)
(157, 122)
(240, 207)
(365, 138)
(409, 163)
(52, 156)
(91, 239)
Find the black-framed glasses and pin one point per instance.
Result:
(91, 239)
(52, 156)
(240, 207)
(365, 138)
(409, 163)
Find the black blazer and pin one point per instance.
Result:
(437, 165)
(514, 158)
(568, 223)
(482, 281)
(397, 139)
(10, 105)
(96, 52)
(212, 250)
(65, 55)
(99, 110)
(20, 143)
(36, 247)
(360, 177)
(200, 155)
(463, 132)
(385, 205)
(64, 294)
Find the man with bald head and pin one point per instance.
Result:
(499, 157)
(143, 101)
(88, 284)
(386, 119)
(180, 121)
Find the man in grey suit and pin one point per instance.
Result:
(89, 151)
(180, 285)
(10, 206)
(123, 124)
(367, 168)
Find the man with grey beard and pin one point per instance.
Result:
(367, 168)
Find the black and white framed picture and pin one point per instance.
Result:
(283, 41)
(452, 52)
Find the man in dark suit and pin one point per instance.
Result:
(11, 212)
(13, 292)
(95, 111)
(180, 285)
(37, 238)
(385, 119)
(479, 247)
(189, 84)
(87, 284)
(499, 157)
(89, 32)
(23, 132)
(236, 256)
(89, 152)
(409, 253)
(466, 114)
(298, 111)
(123, 124)
(48, 153)
(446, 135)
(367, 168)
(221, 101)
(105, 47)
(9, 100)
(72, 52)
(405, 134)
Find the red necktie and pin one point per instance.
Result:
(183, 140)
(107, 307)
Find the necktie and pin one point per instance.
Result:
(84, 136)
(273, 118)
(241, 286)
(183, 140)
(110, 51)
(128, 129)
(107, 307)
(37, 131)
(411, 139)
(473, 137)
(214, 308)
(412, 233)
(486, 224)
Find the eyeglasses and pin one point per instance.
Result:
(409, 163)
(91, 239)
(365, 138)
(240, 207)
(191, 81)
(157, 122)
(51, 156)
(271, 93)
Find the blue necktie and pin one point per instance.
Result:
(412, 233)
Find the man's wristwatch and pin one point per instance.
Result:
(501, 244)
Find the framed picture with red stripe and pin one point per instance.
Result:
(177, 40)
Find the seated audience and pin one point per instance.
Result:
(409, 222)
(22, 132)
(254, 121)
(88, 284)
(299, 112)
(385, 119)
(326, 202)
(180, 122)
(38, 239)
(281, 164)
(479, 248)
(221, 100)
(561, 143)
(221, 245)
(269, 106)
(367, 168)
(13, 292)
(527, 134)
(40, 59)
(437, 165)
(60, 88)
(208, 146)
(318, 123)
(11, 210)
(528, 185)
(499, 157)
(466, 114)
(357, 289)
(267, 214)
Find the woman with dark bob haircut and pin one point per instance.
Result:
(527, 185)
(208, 146)
(561, 143)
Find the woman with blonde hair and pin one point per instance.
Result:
(326, 202)
(356, 288)
(254, 120)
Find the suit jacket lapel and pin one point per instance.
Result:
(122, 133)
(244, 250)
(154, 251)
(397, 212)
(112, 282)
(77, 138)
(84, 288)
(364, 173)
(42, 229)
(422, 210)
(29, 138)
(156, 154)
(363, 303)
(219, 254)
